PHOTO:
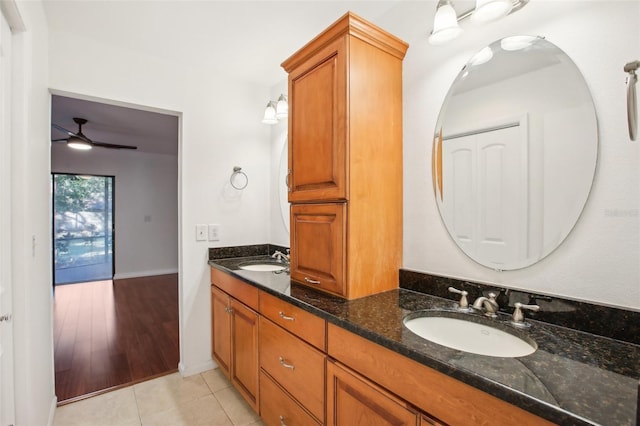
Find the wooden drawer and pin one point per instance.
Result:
(443, 397)
(278, 408)
(295, 365)
(303, 324)
(246, 293)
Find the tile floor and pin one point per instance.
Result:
(204, 399)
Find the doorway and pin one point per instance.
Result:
(83, 228)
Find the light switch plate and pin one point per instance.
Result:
(201, 232)
(214, 232)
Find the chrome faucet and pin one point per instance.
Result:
(281, 257)
(489, 305)
(518, 316)
(463, 305)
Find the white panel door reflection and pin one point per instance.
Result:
(485, 207)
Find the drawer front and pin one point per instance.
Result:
(246, 293)
(303, 324)
(295, 365)
(278, 409)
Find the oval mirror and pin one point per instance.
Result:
(283, 190)
(514, 152)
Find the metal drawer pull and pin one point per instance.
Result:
(310, 281)
(286, 317)
(286, 364)
(282, 423)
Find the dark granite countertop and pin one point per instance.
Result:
(572, 378)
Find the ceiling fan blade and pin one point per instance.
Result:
(112, 145)
(59, 140)
(62, 129)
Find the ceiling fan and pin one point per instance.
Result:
(79, 141)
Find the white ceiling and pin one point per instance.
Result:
(253, 37)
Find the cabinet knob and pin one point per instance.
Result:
(282, 423)
(310, 281)
(286, 180)
(285, 364)
(286, 317)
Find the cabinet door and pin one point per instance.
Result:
(220, 330)
(317, 126)
(244, 351)
(353, 400)
(318, 237)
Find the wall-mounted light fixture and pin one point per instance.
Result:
(445, 23)
(276, 110)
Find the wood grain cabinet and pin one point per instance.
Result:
(292, 364)
(345, 148)
(234, 335)
(354, 400)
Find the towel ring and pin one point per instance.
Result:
(239, 179)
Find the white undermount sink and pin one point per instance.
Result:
(469, 336)
(263, 267)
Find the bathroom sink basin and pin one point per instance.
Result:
(263, 266)
(468, 333)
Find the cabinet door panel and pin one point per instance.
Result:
(318, 245)
(220, 330)
(353, 400)
(297, 366)
(317, 97)
(244, 352)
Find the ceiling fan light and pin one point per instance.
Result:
(491, 10)
(77, 143)
(445, 24)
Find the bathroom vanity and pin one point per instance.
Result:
(371, 365)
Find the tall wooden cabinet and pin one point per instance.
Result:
(345, 159)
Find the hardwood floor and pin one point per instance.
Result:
(110, 335)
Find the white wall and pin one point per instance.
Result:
(220, 128)
(31, 253)
(600, 260)
(146, 185)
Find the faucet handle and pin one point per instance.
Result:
(464, 303)
(518, 316)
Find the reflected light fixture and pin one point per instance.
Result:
(276, 110)
(446, 22)
(282, 107)
(78, 143)
(270, 114)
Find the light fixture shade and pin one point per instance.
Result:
(270, 114)
(490, 10)
(282, 107)
(516, 42)
(445, 24)
(483, 56)
(78, 143)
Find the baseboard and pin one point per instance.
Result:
(196, 369)
(125, 275)
(52, 410)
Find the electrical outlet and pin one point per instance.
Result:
(201, 232)
(214, 232)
